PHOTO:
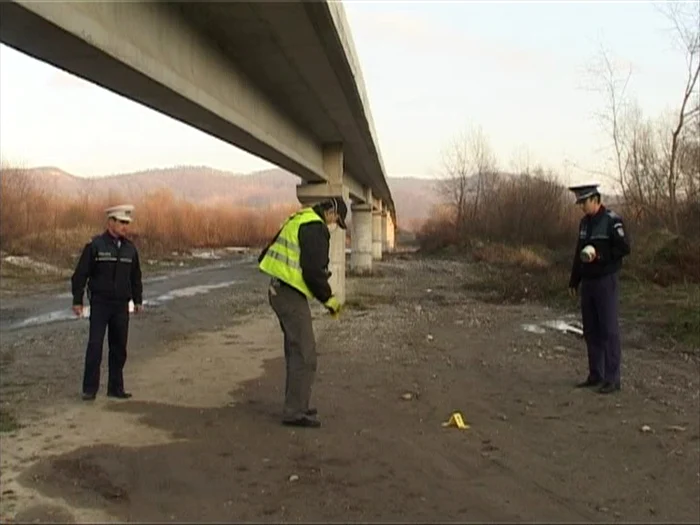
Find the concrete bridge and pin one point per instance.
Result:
(279, 80)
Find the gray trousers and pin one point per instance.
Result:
(294, 314)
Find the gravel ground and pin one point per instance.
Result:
(201, 439)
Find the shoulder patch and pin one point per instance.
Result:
(619, 229)
(613, 215)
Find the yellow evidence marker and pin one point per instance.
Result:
(456, 420)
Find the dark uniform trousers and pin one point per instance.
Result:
(599, 304)
(111, 316)
(294, 314)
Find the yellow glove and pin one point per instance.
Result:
(333, 306)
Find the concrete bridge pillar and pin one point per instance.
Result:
(362, 244)
(388, 233)
(377, 234)
(385, 231)
(391, 234)
(313, 193)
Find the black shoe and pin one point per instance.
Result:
(590, 382)
(608, 388)
(302, 422)
(119, 395)
(311, 412)
(89, 397)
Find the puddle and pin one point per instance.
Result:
(205, 254)
(67, 314)
(155, 279)
(51, 317)
(563, 326)
(572, 327)
(191, 290)
(533, 328)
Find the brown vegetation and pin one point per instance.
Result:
(205, 186)
(521, 210)
(54, 227)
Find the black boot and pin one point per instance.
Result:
(305, 421)
(609, 388)
(590, 382)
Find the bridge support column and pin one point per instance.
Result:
(387, 232)
(377, 234)
(385, 236)
(361, 255)
(309, 194)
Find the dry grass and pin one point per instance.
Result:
(672, 313)
(664, 258)
(522, 257)
(669, 313)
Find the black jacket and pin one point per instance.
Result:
(314, 242)
(605, 231)
(112, 273)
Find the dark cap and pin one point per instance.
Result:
(338, 205)
(584, 191)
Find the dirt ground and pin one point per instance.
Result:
(201, 439)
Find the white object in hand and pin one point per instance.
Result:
(588, 253)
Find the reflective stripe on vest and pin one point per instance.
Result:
(282, 257)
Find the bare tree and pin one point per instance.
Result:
(686, 21)
(484, 166)
(655, 165)
(469, 173)
(456, 172)
(612, 80)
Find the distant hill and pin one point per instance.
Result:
(413, 196)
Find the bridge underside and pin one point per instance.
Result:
(275, 79)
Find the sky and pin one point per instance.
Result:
(432, 70)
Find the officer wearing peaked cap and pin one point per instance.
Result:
(602, 244)
(297, 262)
(109, 265)
(120, 213)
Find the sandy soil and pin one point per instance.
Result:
(201, 439)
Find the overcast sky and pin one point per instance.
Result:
(432, 70)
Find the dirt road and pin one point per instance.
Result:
(201, 439)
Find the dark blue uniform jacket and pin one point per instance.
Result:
(606, 232)
(112, 273)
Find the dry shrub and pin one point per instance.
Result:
(665, 258)
(34, 221)
(438, 232)
(528, 209)
(520, 210)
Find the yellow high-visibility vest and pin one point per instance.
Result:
(283, 255)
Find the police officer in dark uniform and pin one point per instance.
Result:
(110, 266)
(602, 244)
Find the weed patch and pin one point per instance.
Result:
(8, 422)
